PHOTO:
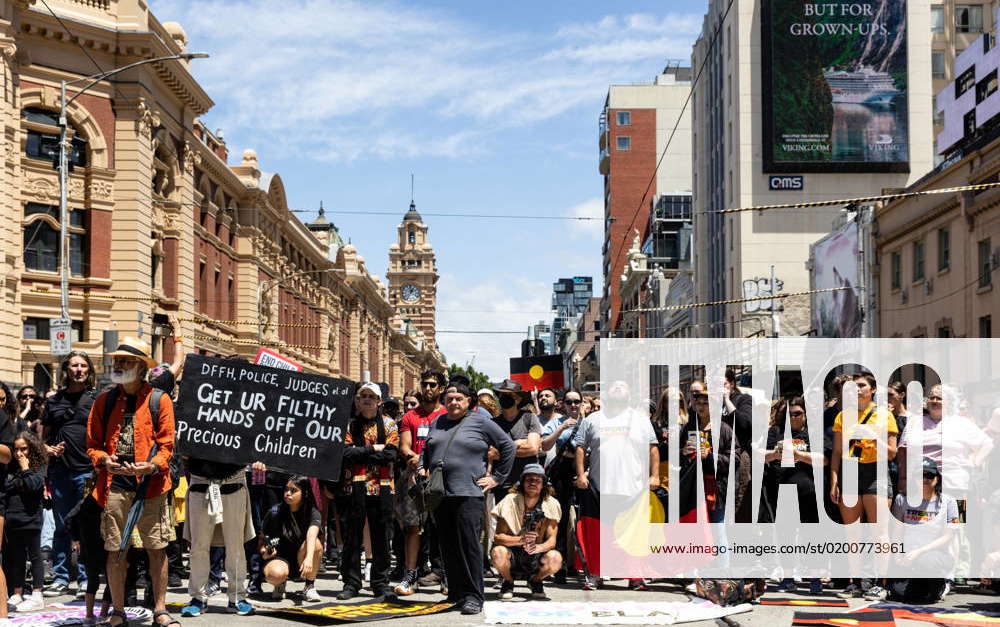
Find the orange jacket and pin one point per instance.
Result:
(101, 445)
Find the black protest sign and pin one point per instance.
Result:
(236, 412)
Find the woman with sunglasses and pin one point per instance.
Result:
(696, 442)
(29, 403)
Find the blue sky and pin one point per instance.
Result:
(492, 105)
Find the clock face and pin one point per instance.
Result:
(411, 293)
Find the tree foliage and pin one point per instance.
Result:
(479, 380)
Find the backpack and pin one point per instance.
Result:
(154, 406)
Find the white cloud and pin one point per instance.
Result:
(589, 229)
(340, 80)
(504, 303)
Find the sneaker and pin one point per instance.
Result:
(253, 587)
(852, 591)
(240, 608)
(57, 589)
(506, 589)
(786, 585)
(347, 594)
(174, 581)
(590, 582)
(537, 590)
(407, 586)
(637, 584)
(429, 579)
(946, 590)
(81, 591)
(876, 593)
(310, 594)
(559, 578)
(31, 604)
(278, 593)
(815, 586)
(471, 607)
(194, 608)
(212, 588)
(14, 600)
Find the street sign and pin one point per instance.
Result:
(60, 336)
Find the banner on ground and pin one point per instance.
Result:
(238, 413)
(358, 612)
(610, 613)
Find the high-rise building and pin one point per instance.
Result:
(570, 298)
(635, 127)
(413, 275)
(542, 331)
(760, 139)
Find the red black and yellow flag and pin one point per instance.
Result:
(878, 618)
(805, 601)
(545, 371)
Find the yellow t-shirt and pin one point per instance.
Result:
(880, 418)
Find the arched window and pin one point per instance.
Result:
(43, 138)
(41, 239)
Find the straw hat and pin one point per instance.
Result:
(135, 348)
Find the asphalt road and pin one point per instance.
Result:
(328, 585)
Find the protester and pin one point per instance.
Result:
(549, 420)
(410, 401)
(696, 440)
(561, 471)
(523, 428)
(130, 447)
(863, 443)
(371, 445)
(7, 436)
(29, 404)
(526, 534)
(459, 441)
(8, 405)
(64, 422)
(23, 491)
(290, 544)
(489, 402)
(410, 511)
(613, 437)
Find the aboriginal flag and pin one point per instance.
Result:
(545, 371)
(878, 618)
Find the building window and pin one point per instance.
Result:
(45, 145)
(986, 87)
(38, 329)
(986, 326)
(918, 261)
(937, 18)
(944, 332)
(969, 18)
(937, 64)
(985, 264)
(411, 237)
(965, 81)
(623, 143)
(41, 239)
(623, 118)
(896, 270)
(944, 249)
(969, 124)
(938, 118)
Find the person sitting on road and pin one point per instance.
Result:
(291, 540)
(525, 540)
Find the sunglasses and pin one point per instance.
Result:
(428, 384)
(797, 414)
(24, 396)
(929, 477)
(700, 397)
(572, 402)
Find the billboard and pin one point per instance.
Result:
(835, 264)
(835, 86)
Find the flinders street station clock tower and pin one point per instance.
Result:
(413, 275)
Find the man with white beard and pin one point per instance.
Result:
(130, 439)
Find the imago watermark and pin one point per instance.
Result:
(804, 457)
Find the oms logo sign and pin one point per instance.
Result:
(786, 183)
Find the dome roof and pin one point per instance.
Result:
(412, 215)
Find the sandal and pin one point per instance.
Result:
(172, 621)
(112, 614)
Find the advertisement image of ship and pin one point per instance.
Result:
(863, 86)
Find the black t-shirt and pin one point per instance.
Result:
(8, 432)
(518, 429)
(291, 527)
(126, 446)
(211, 470)
(66, 416)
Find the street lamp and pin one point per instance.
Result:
(63, 165)
(266, 286)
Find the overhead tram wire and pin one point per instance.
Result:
(680, 115)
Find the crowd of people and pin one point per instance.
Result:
(440, 489)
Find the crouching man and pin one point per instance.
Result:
(524, 544)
